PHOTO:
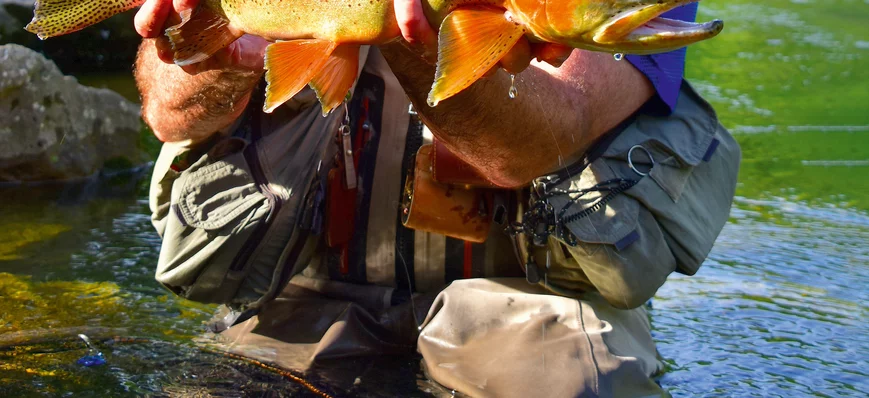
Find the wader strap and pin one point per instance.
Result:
(405, 237)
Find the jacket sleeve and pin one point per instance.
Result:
(667, 221)
(665, 70)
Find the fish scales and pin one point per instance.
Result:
(341, 21)
(316, 41)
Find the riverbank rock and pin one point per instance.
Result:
(52, 128)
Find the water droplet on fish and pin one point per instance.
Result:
(618, 56)
(513, 92)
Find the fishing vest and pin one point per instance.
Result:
(326, 198)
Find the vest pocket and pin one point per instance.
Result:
(677, 143)
(212, 196)
(612, 224)
(216, 206)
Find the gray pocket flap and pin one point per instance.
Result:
(614, 222)
(668, 137)
(217, 193)
(677, 143)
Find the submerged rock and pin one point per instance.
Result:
(52, 128)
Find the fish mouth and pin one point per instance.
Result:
(642, 30)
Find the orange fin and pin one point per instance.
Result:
(290, 65)
(337, 76)
(470, 42)
(59, 17)
(201, 33)
(623, 24)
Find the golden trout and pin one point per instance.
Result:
(317, 41)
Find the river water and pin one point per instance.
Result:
(778, 309)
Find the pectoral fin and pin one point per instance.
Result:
(290, 65)
(336, 77)
(470, 42)
(201, 33)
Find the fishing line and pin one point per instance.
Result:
(557, 146)
(410, 290)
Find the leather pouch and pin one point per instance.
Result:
(454, 210)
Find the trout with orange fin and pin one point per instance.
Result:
(317, 41)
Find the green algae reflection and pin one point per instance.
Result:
(789, 79)
(18, 235)
(26, 305)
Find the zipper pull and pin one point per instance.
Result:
(532, 271)
(347, 149)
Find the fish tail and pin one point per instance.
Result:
(201, 33)
(59, 17)
(335, 79)
(290, 65)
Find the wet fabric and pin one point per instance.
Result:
(482, 337)
(503, 337)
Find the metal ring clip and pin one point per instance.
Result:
(631, 163)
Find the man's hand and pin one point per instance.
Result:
(155, 16)
(192, 103)
(422, 39)
(558, 113)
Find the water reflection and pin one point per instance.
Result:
(780, 308)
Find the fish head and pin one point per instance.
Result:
(616, 26)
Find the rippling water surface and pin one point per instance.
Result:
(779, 309)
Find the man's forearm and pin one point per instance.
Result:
(557, 114)
(179, 106)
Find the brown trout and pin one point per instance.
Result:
(317, 41)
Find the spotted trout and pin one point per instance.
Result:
(316, 42)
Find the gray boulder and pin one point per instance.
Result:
(52, 128)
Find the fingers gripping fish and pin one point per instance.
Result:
(317, 41)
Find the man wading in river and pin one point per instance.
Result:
(607, 176)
